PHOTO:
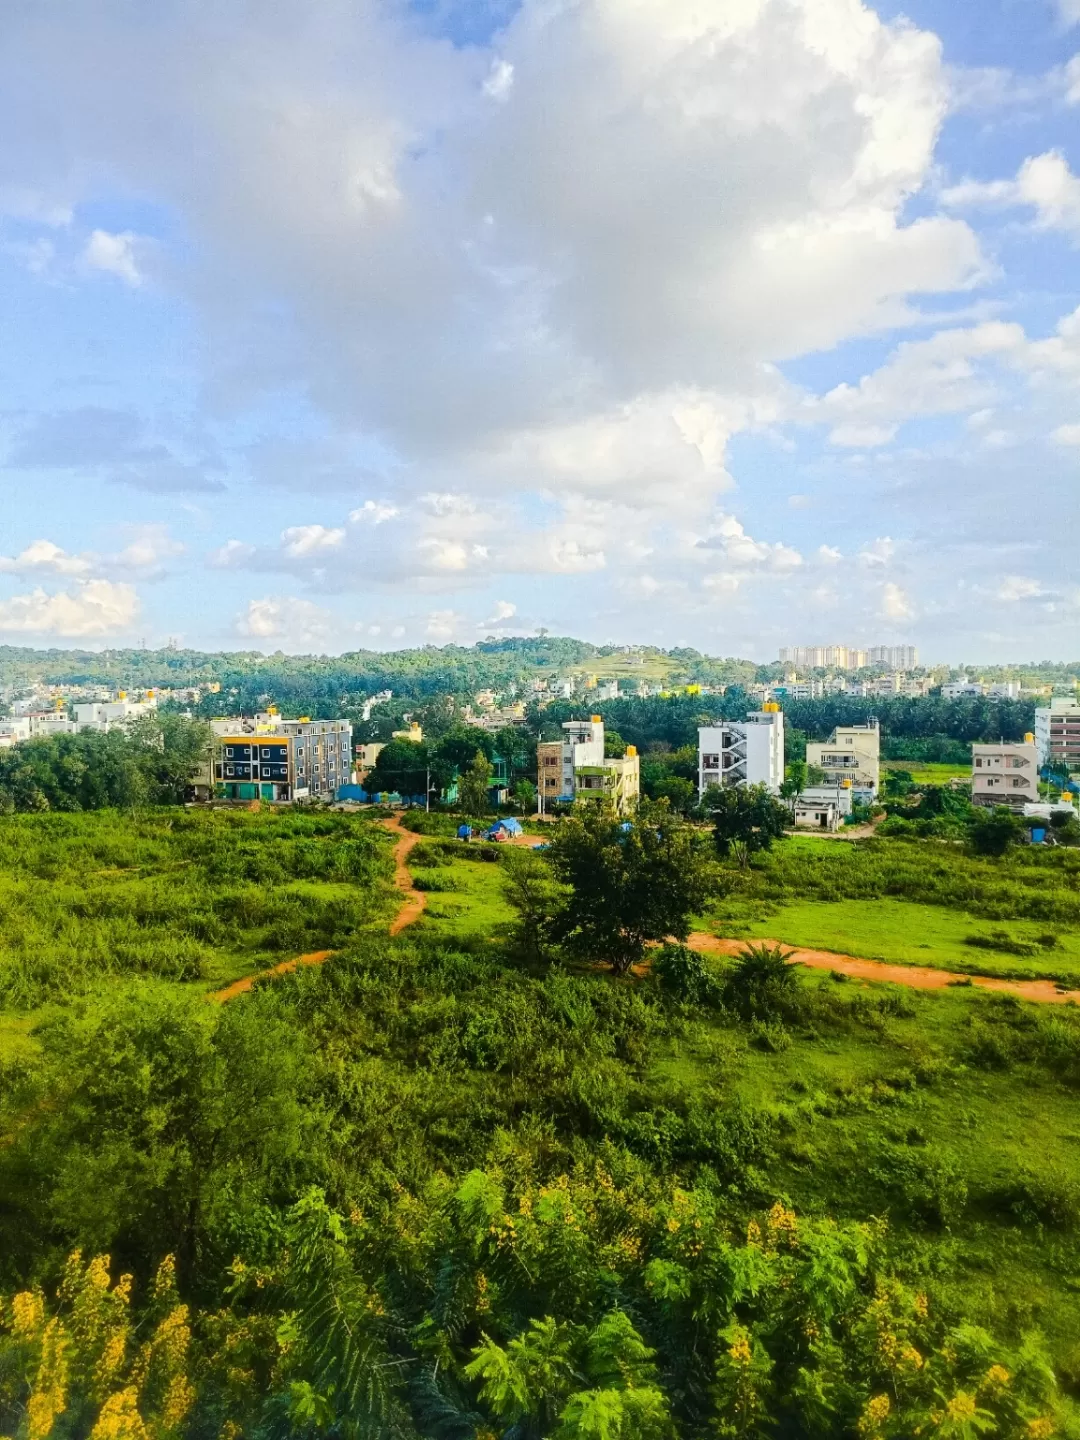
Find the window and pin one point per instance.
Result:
(266, 772)
(230, 770)
(229, 751)
(710, 762)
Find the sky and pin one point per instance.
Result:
(343, 324)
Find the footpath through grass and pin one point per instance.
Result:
(925, 903)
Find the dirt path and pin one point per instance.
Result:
(410, 910)
(412, 900)
(916, 977)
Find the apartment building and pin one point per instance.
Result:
(281, 760)
(576, 768)
(748, 752)
(111, 714)
(850, 657)
(1057, 732)
(852, 754)
(1005, 774)
(895, 657)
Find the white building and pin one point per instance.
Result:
(575, 767)
(852, 755)
(962, 690)
(895, 657)
(1005, 774)
(750, 752)
(107, 714)
(1057, 731)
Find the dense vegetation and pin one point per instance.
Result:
(150, 762)
(180, 896)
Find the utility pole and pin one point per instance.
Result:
(427, 789)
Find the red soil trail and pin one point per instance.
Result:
(410, 910)
(241, 987)
(916, 977)
(413, 900)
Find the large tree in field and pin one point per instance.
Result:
(745, 815)
(629, 883)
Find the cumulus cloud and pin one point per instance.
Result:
(1044, 183)
(1067, 435)
(114, 255)
(43, 555)
(373, 512)
(742, 551)
(94, 608)
(292, 621)
(300, 541)
(1019, 587)
(895, 604)
(878, 552)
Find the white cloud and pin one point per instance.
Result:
(44, 555)
(500, 79)
(504, 610)
(443, 625)
(742, 551)
(829, 555)
(147, 550)
(1019, 587)
(94, 608)
(1069, 11)
(1044, 183)
(895, 604)
(293, 622)
(301, 541)
(233, 552)
(1067, 435)
(878, 552)
(862, 436)
(373, 512)
(799, 502)
(113, 254)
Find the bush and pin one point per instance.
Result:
(686, 975)
(763, 983)
(1029, 1199)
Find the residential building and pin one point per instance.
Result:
(962, 689)
(1005, 774)
(815, 814)
(366, 755)
(281, 760)
(895, 657)
(576, 767)
(799, 690)
(824, 657)
(1057, 731)
(852, 753)
(108, 714)
(414, 733)
(749, 752)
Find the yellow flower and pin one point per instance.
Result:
(753, 1233)
(179, 1398)
(961, 1406)
(27, 1313)
(875, 1413)
(922, 1306)
(997, 1376)
(120, 1419)
(49, 1395)
(1040, 1429)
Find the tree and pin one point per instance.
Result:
(993, 832)
(762, 983)
(402, 766)
(629, 884)
(679, 793)
(473, 790)
(524, 796)
(745, 813)
(535, 896)
(795, 779)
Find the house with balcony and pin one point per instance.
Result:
(748, 752)
(850, 757)
(1005, 774)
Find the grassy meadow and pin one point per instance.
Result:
(435, 1162)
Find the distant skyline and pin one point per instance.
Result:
(728, 323)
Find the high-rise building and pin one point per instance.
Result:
(1057, 731)
(849, 657)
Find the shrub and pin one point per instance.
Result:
(763, 983)
(686, 975)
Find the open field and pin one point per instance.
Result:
(927, 772)
(490, 1137)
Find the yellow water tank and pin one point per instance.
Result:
(595, 719)
(1029, 738)
(770, 707)
(631, 750)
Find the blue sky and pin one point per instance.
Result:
(732, 323)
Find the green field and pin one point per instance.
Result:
(435, 1165)
(928, 772)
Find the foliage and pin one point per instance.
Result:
(630, 882)
(151, 762)
(473, 790)
(763, 983)
(744, 814)
(535, 896)
(993, 832)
